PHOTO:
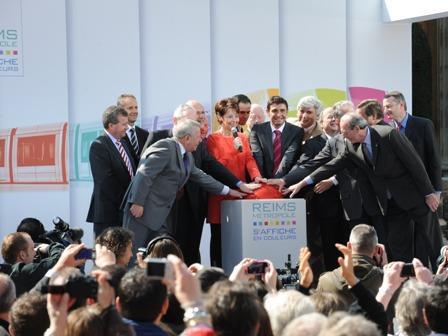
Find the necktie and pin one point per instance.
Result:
(277, 150)
(134, 141)
(399, 126)
(367, 153)
(125, 158)
(186, 162)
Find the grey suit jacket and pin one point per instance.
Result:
(160, 175)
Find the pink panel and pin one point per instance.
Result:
(359, 93)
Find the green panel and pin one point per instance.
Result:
(330, 96)
(86, 139)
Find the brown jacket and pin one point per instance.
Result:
(365, 270)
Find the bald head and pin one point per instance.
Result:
(184, 111)
(199, 108)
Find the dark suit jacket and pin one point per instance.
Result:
(420, 132)
(142, 136)
(355, 188)
(110, 180)
(263, 148)
(396, 168)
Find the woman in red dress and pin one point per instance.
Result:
(236, 156)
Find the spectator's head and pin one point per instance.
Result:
(7, 294)
(277, 109)
(308, 111)
(208, 276)
(330, 121)
(29, 315)
(188, 133)
(115, 121)
(204, 127)
(286, 305)
(129, 103)
(356, 325)
(161, 246)
(233, 308)
(18, 247)
(142, 298)
(371, 110)
(409, 308)
(395, 105)
(119, 241)
(436, 308)
(363, 240)
(306, 325)
(85, 321)
(243, 107)
(33, 227)
(344, 106)
(327, 303)
(116, 273)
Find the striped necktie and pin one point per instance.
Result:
(125, 158)
(134, 141)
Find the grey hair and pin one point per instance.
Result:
(356, 325)
(306, 325)
(181, 111)
(7, 293)
(123, 96)
(110, 116)
(342, 105)
(284, 306)
(329, 110)
(311, 101)
(364, 239)
(185, 127)
(409, 308)
(355, 120)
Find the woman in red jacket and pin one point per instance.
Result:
(235, 154)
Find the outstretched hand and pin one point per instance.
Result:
(346, 264)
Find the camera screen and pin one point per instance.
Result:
(257, 267)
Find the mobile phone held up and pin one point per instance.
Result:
(159, 268)
(258, 267)
(86, 253)
(407, 271)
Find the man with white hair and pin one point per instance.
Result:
(308, 113)
(187, 215)
(257, 116)
(164, 169)
(284, 306)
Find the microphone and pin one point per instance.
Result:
(235, 135)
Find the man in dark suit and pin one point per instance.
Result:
(112, 169)
(276, 144)
(420, 132)
(186, 219)
(164, 169)
(135, 136)
(397, 175)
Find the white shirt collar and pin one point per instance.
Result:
(182, 148)
(280, 128)
(114, 140)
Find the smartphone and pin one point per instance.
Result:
(258, 267)
(86, 253)
(407, 271)
(159, 268)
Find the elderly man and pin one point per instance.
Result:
(308, 113)
(385, 158)
(186, 219)
(257, 116)
(164, 169)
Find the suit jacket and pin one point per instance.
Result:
(141, 135)
(196, 196)
(396, 168)
(161, 174)
(110, 180)
(355, 188)
(420, 132)
(263, 148)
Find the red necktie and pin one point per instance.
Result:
(125, 158)
(277, 150)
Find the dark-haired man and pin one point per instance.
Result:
(244, 104)
(142, 301)
(112, 168)
(276, 144)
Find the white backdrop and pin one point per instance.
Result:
(79, 55)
